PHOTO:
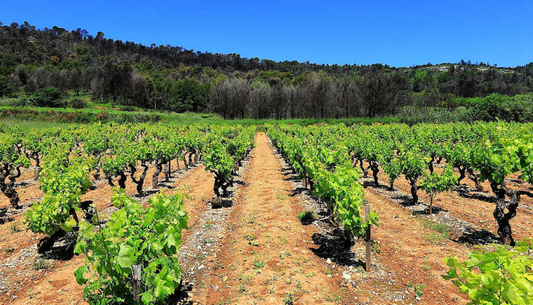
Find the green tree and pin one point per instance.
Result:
(5, 88)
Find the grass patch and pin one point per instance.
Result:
(439, 227)
(436, 238)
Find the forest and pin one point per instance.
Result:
(39, 66)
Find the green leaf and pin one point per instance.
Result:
(124, 259)
(79, 273)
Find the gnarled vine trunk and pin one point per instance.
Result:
(375, 170)
(8, 188)
(365, 170)
(462, 174)
(503, 218)
(430, 165)
(155, 176)
(414, 189)
(140, 181)
(472, 176)
(222, 183)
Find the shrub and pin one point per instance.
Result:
(47, 97)
(76, 104)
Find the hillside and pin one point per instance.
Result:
(173, 78)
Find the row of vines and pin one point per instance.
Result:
(331, 158)
(135, 241)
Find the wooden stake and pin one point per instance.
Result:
(136, 281)
(368, 238)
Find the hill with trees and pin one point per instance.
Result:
(38, 66)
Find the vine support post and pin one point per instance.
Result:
(368, 237)
(136, 281)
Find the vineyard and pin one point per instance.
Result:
(276, 214)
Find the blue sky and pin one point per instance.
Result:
(398, 33)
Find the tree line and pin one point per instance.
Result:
(173, 78)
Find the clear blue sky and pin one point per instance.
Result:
(398, 33)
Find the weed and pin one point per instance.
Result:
(14, 227)
(375, 246)
(309, 274)
(258, 264)
(9, 249)
(249, 237)
(41, 264)
(289, 298)
(417, 289)
(281, 197)
(332, 296)
(307, 217)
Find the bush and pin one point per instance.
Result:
(127, 108)
(518, 108)
(76, 104)
(14, 102)
(47, 97)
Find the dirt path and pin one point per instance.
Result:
(267, 256)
